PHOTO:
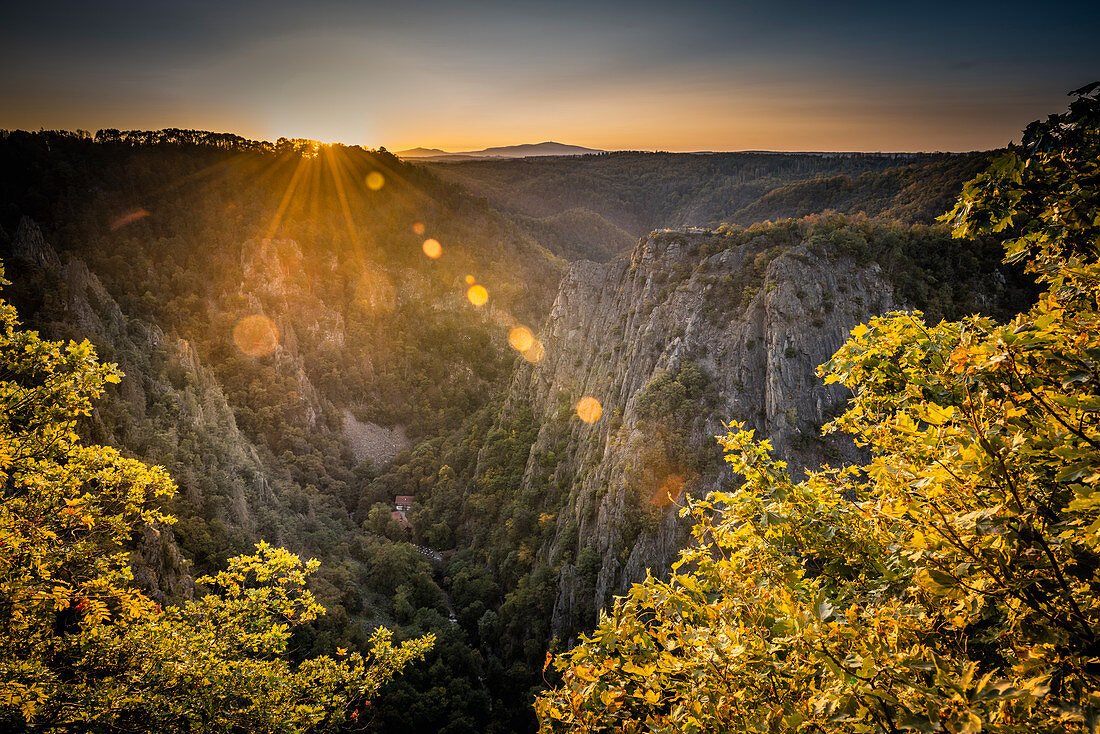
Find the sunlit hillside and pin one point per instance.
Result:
(556, 368)
(340, 353)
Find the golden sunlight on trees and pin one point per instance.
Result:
(80, 648)
(951, 584)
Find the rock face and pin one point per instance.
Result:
(686, 335)
(29, 244)
(372, 441)
(169, 409)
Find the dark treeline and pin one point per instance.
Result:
(179, 137)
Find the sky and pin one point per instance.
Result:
(678, 76)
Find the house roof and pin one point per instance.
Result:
(403, 499)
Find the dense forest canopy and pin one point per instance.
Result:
(308, 331)
(593, 203)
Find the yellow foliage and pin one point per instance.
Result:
(80, 648)
(952, 583)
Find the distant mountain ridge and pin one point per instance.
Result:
(505, 151)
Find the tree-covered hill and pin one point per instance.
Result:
(948, 581)
(263, 299)
(308, 331)
(638, 192)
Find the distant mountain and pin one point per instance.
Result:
(532, 149)
(506, 151)
(422, 153)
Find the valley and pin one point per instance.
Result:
(297, 359)
(549, 368)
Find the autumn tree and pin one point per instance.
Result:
(950, 584)
(80, 647)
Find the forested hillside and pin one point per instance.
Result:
(632, 193)
(694, 330)
(948, 581)
(308, 332)
(283, 334)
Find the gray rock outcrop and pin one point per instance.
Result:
(754, 319)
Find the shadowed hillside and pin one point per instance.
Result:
(639, 192)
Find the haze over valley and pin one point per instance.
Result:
(525, 150)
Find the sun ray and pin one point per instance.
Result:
(376, 162)
(316, 188)
(235, 159)
(220, 166)
(291, 186)
(336, 170)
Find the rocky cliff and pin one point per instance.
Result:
(169, 409)
(694, 330)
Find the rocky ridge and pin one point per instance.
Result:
(168, 409)
(684, 336)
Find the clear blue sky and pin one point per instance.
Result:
(642, 75)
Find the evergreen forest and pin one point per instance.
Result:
(300, 437)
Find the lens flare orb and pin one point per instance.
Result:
(432, 248)
(128, 218)
(477, 295)
(535, 352)
(589, 409)
(670, 491)
(521, 338)
(256, 335)
(375, 180)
